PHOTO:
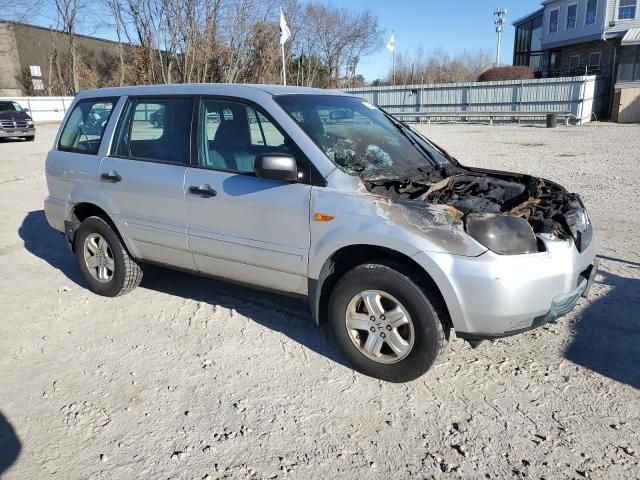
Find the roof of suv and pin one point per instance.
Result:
(209, 89)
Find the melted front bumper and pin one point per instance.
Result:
(492, 296)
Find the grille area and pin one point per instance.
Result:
(13, 124)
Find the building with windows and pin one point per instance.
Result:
(579, 37)
(528, 41)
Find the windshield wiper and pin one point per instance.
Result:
(404, 128)
(446, 154)
(408, 133)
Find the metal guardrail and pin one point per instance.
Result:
(566, 116)
(579, 95)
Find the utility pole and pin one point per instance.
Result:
(501, 19)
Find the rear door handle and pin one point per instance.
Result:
(112, 177)
(203, 191)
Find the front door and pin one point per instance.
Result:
(240, 226)
(144, 178)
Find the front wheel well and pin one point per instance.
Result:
(349, 257)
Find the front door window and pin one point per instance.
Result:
(233, 134)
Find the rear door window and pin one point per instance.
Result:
(85, 126)
(156, 129)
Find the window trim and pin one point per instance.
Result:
(93, 100)
(575, 25)
(586, 13)
(635, 16)
(632, 62)
(599, 54)
(314, 176)
(124, 116)
(557, 23)
(579, 57)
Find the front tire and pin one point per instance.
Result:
(104, 262)
(30, 139)
(387, 321)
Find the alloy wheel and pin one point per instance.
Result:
(379, 326)
(98, 257)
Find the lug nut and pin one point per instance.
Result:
(381, 317)
(373, 329)
(372, 318)
(382, 335)
(389, 327)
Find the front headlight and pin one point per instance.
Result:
(29, 123)
(501, 233)
(581, 229)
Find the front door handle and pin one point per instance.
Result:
(112, 177)
(203, 191)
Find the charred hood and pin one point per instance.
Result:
(547, 207)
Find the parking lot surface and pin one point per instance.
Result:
(191, 378)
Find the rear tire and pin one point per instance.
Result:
(103, 259)
(400, 349)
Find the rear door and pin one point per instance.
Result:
(74, 162)
(243, 227)
(144, 177)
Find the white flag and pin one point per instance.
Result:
(391, 46)
(285, 33)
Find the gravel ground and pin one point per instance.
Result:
(192, 378)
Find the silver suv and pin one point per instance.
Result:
(320, 194)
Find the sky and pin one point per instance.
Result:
(453, 26)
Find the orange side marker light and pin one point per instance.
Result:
(323, 217)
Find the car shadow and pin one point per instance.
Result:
(43, 242)
(628, 263)
(288, 315)
(10, 445)
(607, 334)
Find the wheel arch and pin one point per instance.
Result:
(348, 257)
(83, 210)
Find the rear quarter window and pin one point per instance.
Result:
(85, 126)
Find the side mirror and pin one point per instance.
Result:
(25, 110)
(276, 166)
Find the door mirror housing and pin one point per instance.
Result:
(276, 166)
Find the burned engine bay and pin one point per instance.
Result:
(546, 206)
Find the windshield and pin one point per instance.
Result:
(359, 137)
(10, 106)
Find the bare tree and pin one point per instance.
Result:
(437, 66)
(115, 7)
(68, 11)
(339, 38)
(54, 63)
(166, 41)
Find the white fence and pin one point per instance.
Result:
(581, 96)
(44, 109)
